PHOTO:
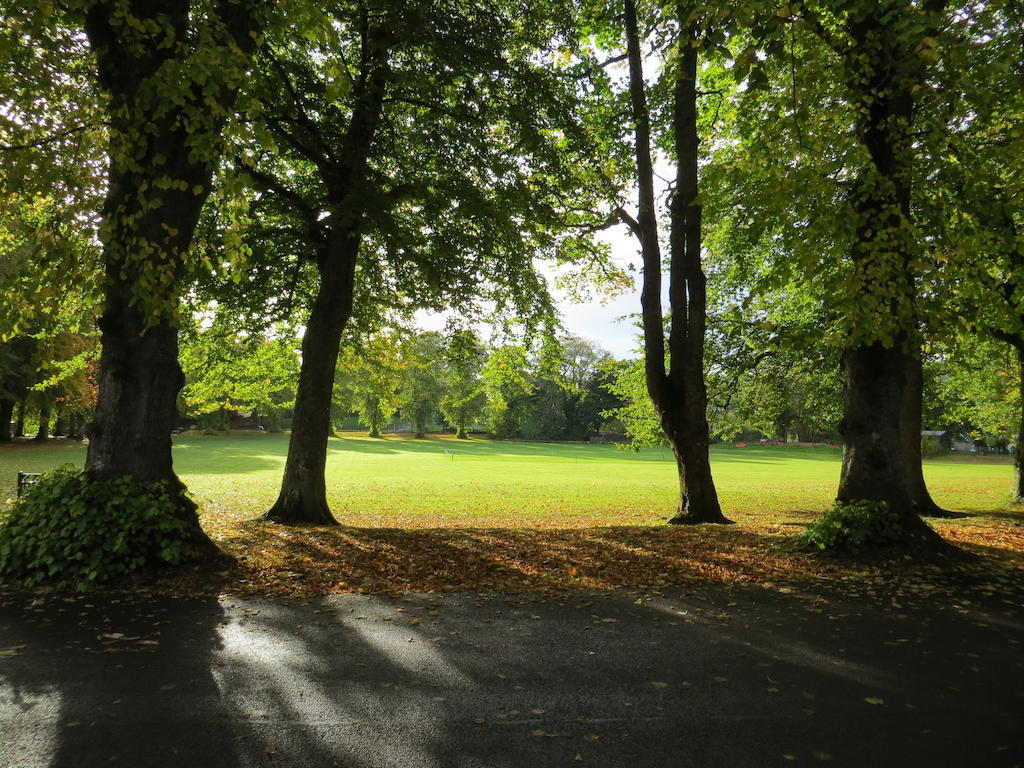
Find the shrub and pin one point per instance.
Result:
(855, 526)
(932, 447)
(72, 530)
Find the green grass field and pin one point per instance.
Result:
(397, 481)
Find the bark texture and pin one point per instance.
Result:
(678, 393)
(303, 496)
(876, 464)
(1018, 460)
(147, 229)
(882, 376)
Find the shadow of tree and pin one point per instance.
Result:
(112, 680)
(733, 676)
(307, 561)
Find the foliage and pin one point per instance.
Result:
(227, 371)
(368, 378)
(855, 527)
(636, 413)
(506, 380)
(422, 381)
(72, 530)
(464, 399)
(932, 447)
(972, 385)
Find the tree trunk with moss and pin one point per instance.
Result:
(162, 156)
(881, 365)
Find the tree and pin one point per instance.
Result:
(838, 128)
(464, 399)
(168, 73)
(404, 200)
(881, 59)
(974, 387)
(17, 372)
(972, 200)
(422, 383)
(368, 380)
(226, 371)
(507, 385)
(677, 390)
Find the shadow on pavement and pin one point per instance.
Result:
(730, 677)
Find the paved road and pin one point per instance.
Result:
(738, 678)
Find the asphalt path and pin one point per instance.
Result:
(732, 677)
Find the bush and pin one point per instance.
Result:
(72, 530)
(853, 527)
(932, 447)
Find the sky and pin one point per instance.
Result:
(605, 319)
(601, 320)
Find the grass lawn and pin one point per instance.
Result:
(442, 513)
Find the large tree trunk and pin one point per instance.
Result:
(698, 498)
(911, 431)
(6, 412)
(688, 410)
(138, 379)
(43, 433)
(877, 388)
(881, 368)
(162, 157)
(1018, 459)
(19, 419)
(303, 495)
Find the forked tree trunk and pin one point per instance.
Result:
(679, 394)
(6, 412)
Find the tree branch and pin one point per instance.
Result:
(48, 140)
